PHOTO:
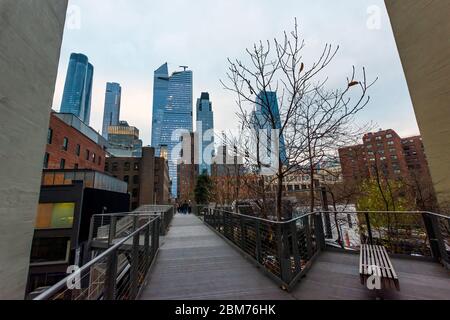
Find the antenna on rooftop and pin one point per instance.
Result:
(184, 67)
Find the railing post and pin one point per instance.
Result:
(369, 228)
(318, 231)
(134, 261)
(283, 256)
(112, 229)
(295, 249)
(258, 240)
(243, 232)
(147, 253)
(308, 239)
(437, 244)
(110, 276)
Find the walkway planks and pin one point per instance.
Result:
(195, 263)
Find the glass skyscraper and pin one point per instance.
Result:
(205, 118)
(111, 113)
(77, 94)
(160, 94)
(172, 110)
(266, 108)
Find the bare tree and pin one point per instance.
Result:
(310, 121)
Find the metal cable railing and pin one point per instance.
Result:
(118, 273)
(166, 212)
(286, 249)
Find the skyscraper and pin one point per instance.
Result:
(267, 117)
(78, 87)
(172, 112)
(160, 94)
(111, 113)
(205, 119)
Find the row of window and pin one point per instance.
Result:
(126, 167)
(135, 179)
(62, 162)
(89, 156)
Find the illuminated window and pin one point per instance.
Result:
(55, 215)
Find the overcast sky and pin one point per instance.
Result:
(126, 40)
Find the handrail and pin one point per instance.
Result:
(331, 211)
(54, 289)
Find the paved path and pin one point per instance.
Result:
(195, 263)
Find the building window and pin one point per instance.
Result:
(77, 150)
(65, 144)
(135, 193)
(62, 164)
(88, 154)
(50, 250)
(49, 136)
(75, 166)
(106, 166)
(135, 179)
(126, 179)
(136, 166)
(94, 157)
(115, 166)
(46, 159)
(55, 215)
(126, 166)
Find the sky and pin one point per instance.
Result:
(126, 40)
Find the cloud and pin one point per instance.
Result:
(127, 40)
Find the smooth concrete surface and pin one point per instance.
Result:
(30, 41)
(422, 31)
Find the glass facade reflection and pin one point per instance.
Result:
(172, 112)
(77, 94)
(111, 113)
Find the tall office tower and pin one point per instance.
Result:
(29, 64)
(172, 110)
(78, 88)
(160, 94)
(111, 112)
(205, 119)
(267, 117)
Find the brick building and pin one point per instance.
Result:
(188, 169)
(387, 152)
(71, 144)
(147, 177)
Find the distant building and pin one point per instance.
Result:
(187, 169)
(172, 113)
(124, 140)
(68, 199)
(111, 112)
(205, 119)
(77, 94)
(387, 152)
(266, 118)
(147, 177)
(71, 144)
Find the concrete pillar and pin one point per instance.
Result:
(421, 30)
(30, 41)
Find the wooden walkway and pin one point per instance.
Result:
(195, 263)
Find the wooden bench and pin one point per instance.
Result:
(374, 260)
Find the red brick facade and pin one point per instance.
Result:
(81, 153)
(386, 151)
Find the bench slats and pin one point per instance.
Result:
(374, 255)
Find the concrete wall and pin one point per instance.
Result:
(422, 30)
(30, 40)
